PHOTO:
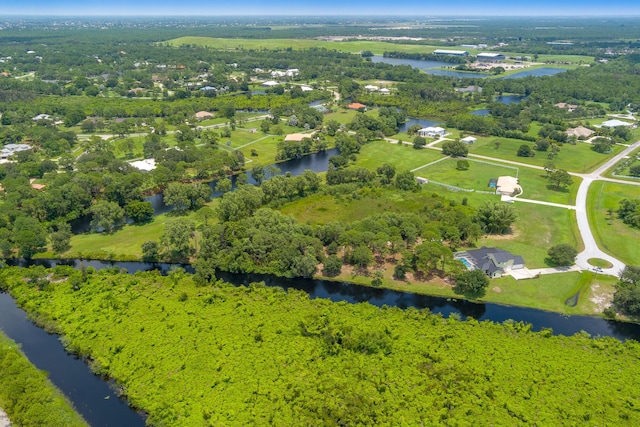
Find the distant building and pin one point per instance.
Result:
(580, 132)
(469, 139)
(202, 115)
(385, 91)
(471, 88)
(42, 117)
(270, 83)
(306, 88)
(356, 106)
(297, 137)
(372, 88)
(615, 123)
(493, 262)
(10, 149)
(490, 57)
(432, 132)
(144, 165)
(569, 107)
(451, 52)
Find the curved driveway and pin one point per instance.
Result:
(591, 249)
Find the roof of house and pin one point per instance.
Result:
(480, 258)
(270, 83)
(297, 137)
(615, 123)
(203, 115)
(490, 55)
(434, 129)
(469, 139)
(580, 131)
(144, 165)
(356, 106)
(507, 184)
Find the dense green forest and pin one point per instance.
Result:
(27, 395)
(228, 355)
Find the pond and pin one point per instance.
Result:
(537, 72)
(434, 67)
(410, 122)
(316, 162)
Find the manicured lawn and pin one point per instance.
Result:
(613, 236)
(537, 228)
(403, 157)
(533, 181)
(578, 158)
(549, 292)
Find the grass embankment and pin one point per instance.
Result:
(612, 235)
(27, 396)
(236, 356)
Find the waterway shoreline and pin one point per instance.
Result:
(398, 288)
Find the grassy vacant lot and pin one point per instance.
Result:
(547, 292)
(578, 158)
(402, 156)
(613, 236)
(274, 44)
(125, 243)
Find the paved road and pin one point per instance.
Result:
(591, 249)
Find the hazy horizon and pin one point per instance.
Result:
(410, 8)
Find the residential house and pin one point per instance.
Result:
(432, 132)
(10, 149)
(615, 123)
(202, 115)
(493, 262)
(508, 186)
(469, 139)
(356, 106)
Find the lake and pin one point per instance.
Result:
(432, 67)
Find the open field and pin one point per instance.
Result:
(578, 158)
(356, 46)
(125, 243)
(613, 236)
(402, 156)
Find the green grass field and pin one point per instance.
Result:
(578, 158)
(377, 47)
(613, 236)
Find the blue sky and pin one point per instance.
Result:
(418, 8)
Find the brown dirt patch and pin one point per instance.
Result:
(496, 289)
(601, 298)
(515, 233)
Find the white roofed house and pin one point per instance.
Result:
(469, 139)
(385, 91)
(432, 132)
(9, 150)
(372, 88)
(270, 83)
(615, 123)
